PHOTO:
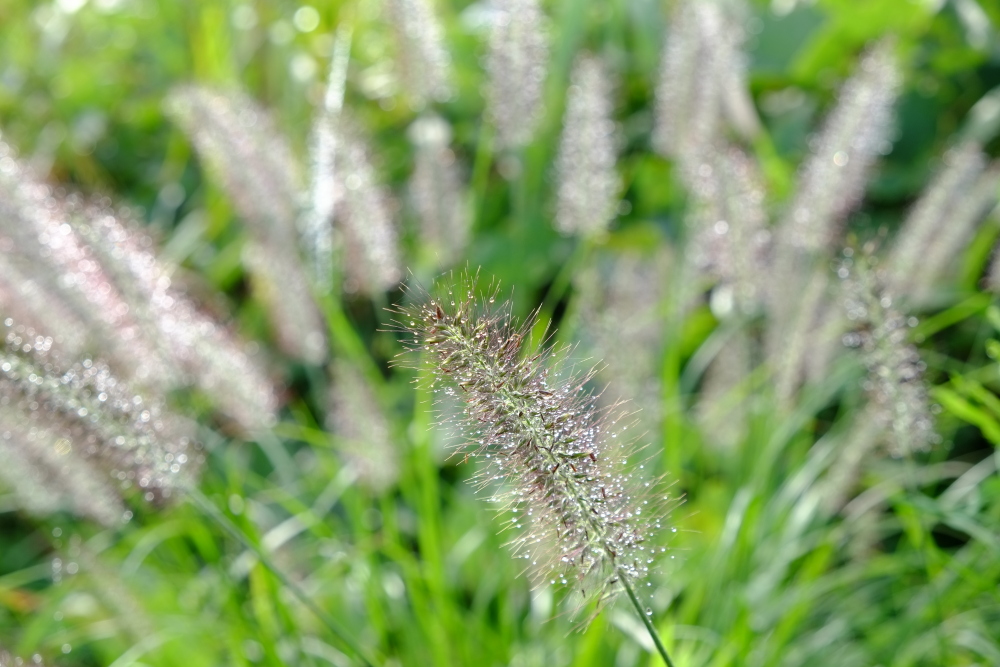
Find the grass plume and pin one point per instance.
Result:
(555, 462)
(516, 68)
(589, 185)
(242, 147)
(895, 384)
(106, 293)
(64, 420)
(436, 191)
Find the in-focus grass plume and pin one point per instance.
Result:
(556, 464)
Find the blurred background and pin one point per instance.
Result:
(770, 223)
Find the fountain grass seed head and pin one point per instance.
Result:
(556, 463)
(81, 432)
(895, 383)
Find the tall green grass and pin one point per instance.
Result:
(800, 538)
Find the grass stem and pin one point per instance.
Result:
(647, 621)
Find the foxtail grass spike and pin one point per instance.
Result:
(107, 293)
(894, 384)
(833, 179)
(959, 229)
(558, 467)
(589, 185)
(620, 308)
(32, 303)
(64, 419)
(197, 346)
(436, 191)
(962, 166)
(41, 227)
(701, 83)
(516, 66)
(370, 243)
(942, 221)
(277, 281)
(728, 223)
(423, 56)
(242, 147)
(45, 479)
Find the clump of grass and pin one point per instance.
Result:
(555, 462)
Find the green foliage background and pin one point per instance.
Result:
(418, 575)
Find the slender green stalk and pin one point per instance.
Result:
(647, 621)
(204, 504)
